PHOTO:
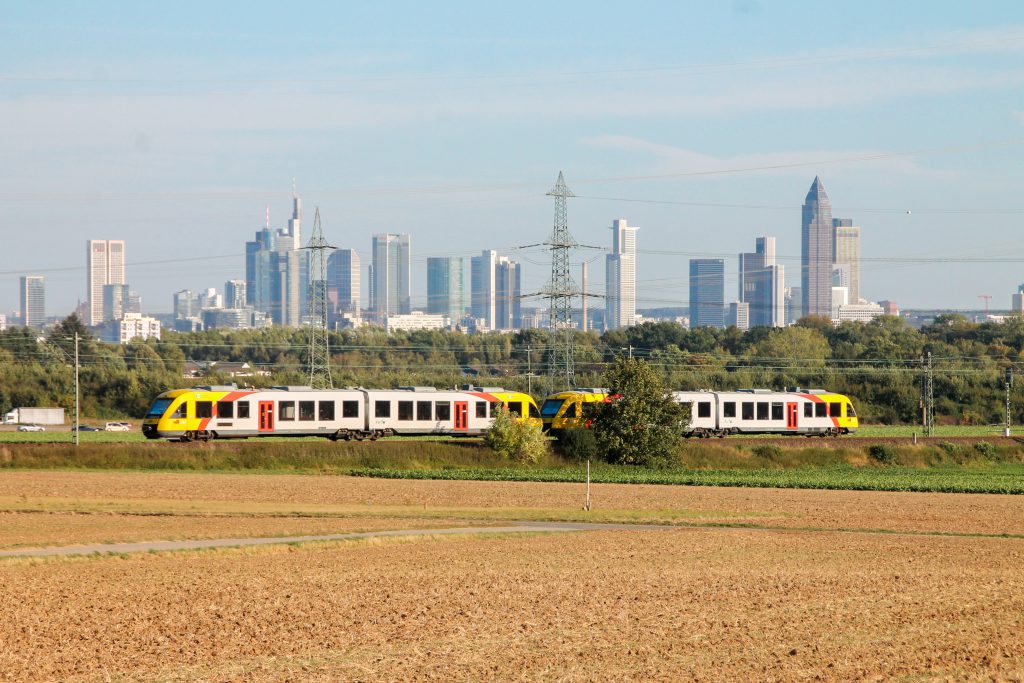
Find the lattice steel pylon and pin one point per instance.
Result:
(559, 291)
(319, 348)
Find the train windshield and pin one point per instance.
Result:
(159, 407)
(551, 407)
(849, 410)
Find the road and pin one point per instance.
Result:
(160, 546)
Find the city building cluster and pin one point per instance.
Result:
(278, 286)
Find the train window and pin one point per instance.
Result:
(225, 409)
(424, 410)
(350, 408)
(243, 410)
(181, 412)
(550, 407)
(382, 409)
(572, 411)
(326, 413)
(748, 410)
(443, 411)
(820, 410)
(704, 409)
(533, 410)
(762, 410)
(481, 409)
(808, 410)
(285, 410)
(307, 411)
(849, 410)
(729, 409)
(515, 408)
(405, 410)
(835, 409)
(204, 409)
(777, 411)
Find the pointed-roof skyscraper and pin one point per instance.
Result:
(816, 254)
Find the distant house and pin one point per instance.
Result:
(202, 368)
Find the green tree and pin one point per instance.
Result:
(642, 424)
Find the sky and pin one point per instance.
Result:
(175, 126)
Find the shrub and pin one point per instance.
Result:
(516, 440)
(768, 451)
(985, 449)
(881, 453)
(953, 450)
(578, 444)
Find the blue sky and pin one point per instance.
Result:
(173, 126)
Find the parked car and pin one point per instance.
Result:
(117, 427)
(88, 428)
(31, 428)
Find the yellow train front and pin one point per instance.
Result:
(564, 410)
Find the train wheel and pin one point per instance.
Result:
(187, 437)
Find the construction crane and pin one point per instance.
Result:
(987, 298)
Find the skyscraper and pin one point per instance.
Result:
(482, 271)
(707, 293)
(115, 302)
(762, 285)
(620, 277)
(105, 265)
(343, 289)
(444, 287)
(33, 300)
(846, 253)
(390, 293)
(277, 271)
(816, 252)
(507, 306)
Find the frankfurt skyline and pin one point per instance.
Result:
(703, 125)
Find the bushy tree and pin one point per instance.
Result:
(641, 424)
(516, 440)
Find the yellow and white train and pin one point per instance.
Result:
(804, 412)
(226, 412)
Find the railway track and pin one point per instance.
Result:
(854, 441)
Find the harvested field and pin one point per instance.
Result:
(310, 495)
(615, 605)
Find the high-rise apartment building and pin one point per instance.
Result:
(444, 287)
(105, 265)
(343, 291)
(235, 294)
(816, 252)
(390, 290)
(762, 285)
(33, 300)
(738, 315)
(495, 284)
(846, 253)
(620, 277)
(707, 293)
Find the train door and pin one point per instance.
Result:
(266, 416)
(461, 416)
(791, 415)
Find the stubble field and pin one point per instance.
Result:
(799, 585)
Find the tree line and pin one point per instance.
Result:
(880, 364)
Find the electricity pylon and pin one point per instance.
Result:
(319, 349)
(559, 291)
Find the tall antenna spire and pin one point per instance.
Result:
(268, 217)
(560, 291)
(319, 348)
